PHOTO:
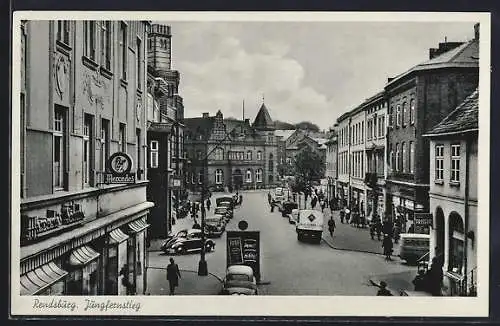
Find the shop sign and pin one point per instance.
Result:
(175, 182)
(243, 248)
(422, 222)
(118, 168)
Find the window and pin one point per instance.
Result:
(89, 39)
(104, 143)
(456, 248)
(87, 141)
(153, 154)
(391, 116)
(398, 116)
(138, 155)
(249, 176)
(219, 176)
(259, 155)
(396, 166)
(200, 177)
(249, 156)
(63, 31)
(405, 158)
(391, 159)
(362, 131)
(139, 63)
(219, 154)
(405, 114)
(271, 163)
(439, 154)
(455, 163)
(412, 111)
(381, 125)
(198, 154)
(123, 50)
(106, 44)
(369, 125)
(411, 158)
(258, 175)
(59, 159)
(122, 138)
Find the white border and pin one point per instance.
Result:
(277, 305)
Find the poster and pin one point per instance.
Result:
(243, 247)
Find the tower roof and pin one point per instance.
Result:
(263, 119)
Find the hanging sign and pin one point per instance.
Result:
(423, 222)
(118, 168)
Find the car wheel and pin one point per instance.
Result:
(299, 237)
(208, 247)
(180, 250)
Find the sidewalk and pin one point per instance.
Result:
(189, 284)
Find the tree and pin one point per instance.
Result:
(306, 125)
(308, 166)
(283, 125)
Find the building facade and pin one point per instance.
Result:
(453, 196)
(418, 99)
(166, 159)
(331, 172)
(344, 159)
(230, 154)
(357, 158)
(83, 96)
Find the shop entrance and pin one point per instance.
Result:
(439, 233)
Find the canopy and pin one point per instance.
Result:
(41, 278)
(82, 256)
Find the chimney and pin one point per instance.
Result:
(205, 114)
(476, 31)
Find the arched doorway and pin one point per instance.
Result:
(439, 234)
(237, 179)
(456, 240)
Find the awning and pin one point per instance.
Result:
(40, 278)
(117, 236)
(136, 226)
(82, 256)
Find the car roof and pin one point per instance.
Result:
(240, 269)
(190, 231)
(414, 235)
(310, 211)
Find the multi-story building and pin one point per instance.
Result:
(229, 154)
(357, 158)
(453, 195)
(331, 172)
(343, 162)
(418, 99)
(82, 98)
(165, 132)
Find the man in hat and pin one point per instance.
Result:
(173, 275)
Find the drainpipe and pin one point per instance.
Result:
(466, 207)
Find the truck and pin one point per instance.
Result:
(309, 225)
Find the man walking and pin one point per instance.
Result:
(209, 203)
(331, 226)
(173, 275)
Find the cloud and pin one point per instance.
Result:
(232, 73)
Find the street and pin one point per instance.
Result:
(289, 267)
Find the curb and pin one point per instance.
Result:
(353, 250)
(190, 271)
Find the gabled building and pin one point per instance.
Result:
(453, 195)
(231, 154)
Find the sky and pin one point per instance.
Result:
(304, 71)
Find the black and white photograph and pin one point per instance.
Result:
(250, 164)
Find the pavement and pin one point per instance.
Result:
(288, 266)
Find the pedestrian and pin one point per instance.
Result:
(387, 245)
(269, 198)
(331, 226)
(322, 203)
(383, 290)
(332, 205)
(209, 203)
(435, 277)
(241, 199)
(347, 215)
(378, 228)
(342, 213)
(397, 231)
(314, 201)
(173, 275)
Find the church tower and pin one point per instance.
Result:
(160, 47)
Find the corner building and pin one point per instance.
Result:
(83, 94)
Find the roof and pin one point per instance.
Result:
(239, 269)
(263, 119)
(199, 125)
(464, 118)
(465, 55)
(284, 133)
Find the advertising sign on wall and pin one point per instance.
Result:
(423, 222)
(243, 248)
(118, 168)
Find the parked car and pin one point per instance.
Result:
(228, 210)
(229, 200)
(215, 225)
(224, 211)
(413, 246)
(187, 241)
(240, 280)
(286, 208)
(293, 217)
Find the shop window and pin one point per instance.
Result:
(219, 176)
(59, 148)
(112, 271)
(456, 238)
(439, 163)
(455, 163)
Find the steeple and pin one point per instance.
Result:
(263, 119)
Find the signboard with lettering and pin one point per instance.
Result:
(243, 248)
(175, 182)
(422, 222)
(118, 168)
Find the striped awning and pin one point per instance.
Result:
(41, 278)
(117, 236)
(136, 226)
(82, 256)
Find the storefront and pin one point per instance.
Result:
(83, 265)
(374, 205)
(117, 258)
(48, 279)
(136, 255)
(358, 198)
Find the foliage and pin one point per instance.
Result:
(281, 125)
(306, 125)
(308, 166)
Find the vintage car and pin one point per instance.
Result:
(228, 200)
(293, 217)
(228, 209)
(286, 208)
(215, 225)
(240, 280)
(186, 241)
(223, 211)
(413, 246)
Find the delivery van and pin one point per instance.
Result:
(413, 246)
(309, 225)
